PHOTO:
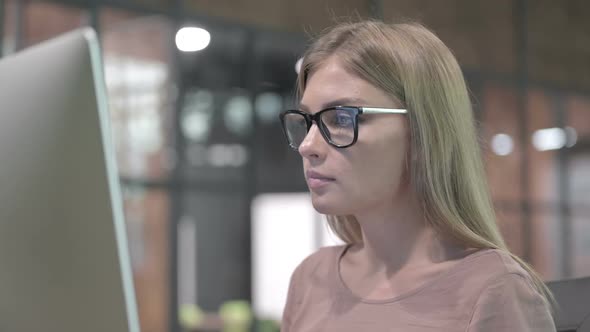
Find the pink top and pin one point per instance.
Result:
(485, 291)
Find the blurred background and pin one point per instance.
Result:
(216, 206)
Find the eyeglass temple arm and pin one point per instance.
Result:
(379, 110)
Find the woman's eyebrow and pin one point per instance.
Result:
(337, 102)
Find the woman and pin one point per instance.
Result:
(386, 134)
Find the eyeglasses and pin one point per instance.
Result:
(338, 125)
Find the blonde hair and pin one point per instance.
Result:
(413, 66)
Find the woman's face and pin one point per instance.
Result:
(367, 175)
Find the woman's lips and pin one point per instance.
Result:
(317, 180)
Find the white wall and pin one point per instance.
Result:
(285, 230)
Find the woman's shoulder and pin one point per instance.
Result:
(320, 262)
(485, 274)
(507, 297)
(485, 267)
(494, 263)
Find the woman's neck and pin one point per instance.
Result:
(399, 237)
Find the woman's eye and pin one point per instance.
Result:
(343, 121)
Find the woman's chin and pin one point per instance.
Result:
(327, 206)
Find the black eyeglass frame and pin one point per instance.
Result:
(311, 118)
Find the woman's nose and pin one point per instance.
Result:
(313, 145)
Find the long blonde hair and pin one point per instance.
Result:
(414, 66)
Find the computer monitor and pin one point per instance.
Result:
(64, 263)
